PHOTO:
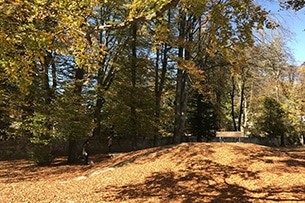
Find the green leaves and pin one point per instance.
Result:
(26, 34)
(43, 43)
(39, 126)
(270, 120)
(73, 119)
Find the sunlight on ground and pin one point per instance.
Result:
(192, 172)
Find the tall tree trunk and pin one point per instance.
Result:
(73, 149)
(232, 104)
(54, 79)
(159, 86)
(282, 140)
(105, 73)
(104, 82)
(133, 95)
(199, 118)
(47, 62)
(179, 127)
(160, 81)
(157, 100)
(181, 105)
(185, 34)
(48, 96)
(241, 104)
(97, 116)
(178, 112)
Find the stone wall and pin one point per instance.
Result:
(20, 148)
(14, 149)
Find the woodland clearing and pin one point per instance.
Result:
(189, 172)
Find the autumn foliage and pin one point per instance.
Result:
(193, 172)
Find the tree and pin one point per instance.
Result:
(7, 91)
(268, 74)
(162, 38)
(182, 84)
(222, 34)
(301, 102)
(113, 44)
(293, 4)
(88, 65)
(270, 119)
(202, 121)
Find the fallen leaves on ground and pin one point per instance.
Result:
(189, 172)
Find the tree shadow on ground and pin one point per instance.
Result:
(195, 184)
(201, 186)
(24, 170)
(201, 179)
(205, 180)
(296, 156)
(289, 156)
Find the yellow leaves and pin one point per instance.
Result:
(142, 8)
(25, 39)
(195, 73)
(302, 68)
(87, 57)
(28, 29)
(21, 75)
(193, 7)
(211, 52)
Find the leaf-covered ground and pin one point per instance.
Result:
(192, 172)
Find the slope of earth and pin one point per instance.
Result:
(189, 172)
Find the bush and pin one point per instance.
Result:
(41, 155)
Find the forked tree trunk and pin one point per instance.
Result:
(185, 35)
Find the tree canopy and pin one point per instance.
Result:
(74, 69)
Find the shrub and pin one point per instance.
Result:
(41, 155)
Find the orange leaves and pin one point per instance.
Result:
(195, 73)
(198, 172)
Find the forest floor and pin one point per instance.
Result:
(189, 172)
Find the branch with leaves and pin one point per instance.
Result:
(137, 19)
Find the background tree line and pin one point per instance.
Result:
(72, 69)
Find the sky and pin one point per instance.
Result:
(295, 23)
